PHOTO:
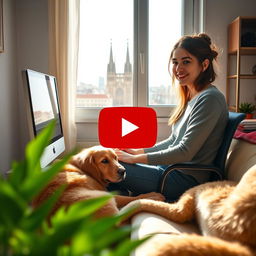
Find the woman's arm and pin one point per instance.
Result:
(203, 133)
(130, 158)
(161, 145)
(133, 151)
(203, 120)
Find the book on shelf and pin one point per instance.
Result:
(247, 125)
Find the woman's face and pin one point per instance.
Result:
(185, 67)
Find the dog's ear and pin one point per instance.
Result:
(88, 162)
(90, 167)
(85, 161)
(79, 159)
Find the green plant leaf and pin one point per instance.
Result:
(38, 180)
(102, 225)
(17, 174)
(66, 223)
(35, 148)
(31, 165)
(49, 244)
(126, 247)
(95, 241)
(73, 231)
(82, 243)
(114, 235)
(246, 107)
(79, 210)
(11, 204)
(37, 216)
(21, 241)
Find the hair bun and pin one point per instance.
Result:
(206, 38)
(214, 54)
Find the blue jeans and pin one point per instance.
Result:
(143, 178)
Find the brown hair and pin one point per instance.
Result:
(201, 47)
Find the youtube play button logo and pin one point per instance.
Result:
(127, 127)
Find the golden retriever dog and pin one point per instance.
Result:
(224, 211)
(86, 176)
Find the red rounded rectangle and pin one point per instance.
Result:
(127, 127)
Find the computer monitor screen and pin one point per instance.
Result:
(42, 107)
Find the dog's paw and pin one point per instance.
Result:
(152, 196)
(134, 206)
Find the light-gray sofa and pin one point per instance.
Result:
(242, 156)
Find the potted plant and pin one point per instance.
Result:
(248, 109)
(73, 232)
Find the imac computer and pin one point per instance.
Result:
(42, 107)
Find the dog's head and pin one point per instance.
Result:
(100, 163)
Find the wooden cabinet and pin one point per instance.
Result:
(241, 42)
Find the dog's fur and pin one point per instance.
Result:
(224, 211)
(86, 176)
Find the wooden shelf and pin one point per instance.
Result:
(238, 45)
(232, 108)
(245, 76)
(244, 51)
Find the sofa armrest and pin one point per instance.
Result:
(241, 157)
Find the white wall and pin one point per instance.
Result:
(9, 117)
(32, 49)
(26, 46)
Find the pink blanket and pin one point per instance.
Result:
(249, 136)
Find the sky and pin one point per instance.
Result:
(111, 21)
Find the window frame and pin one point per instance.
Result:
(193, 18)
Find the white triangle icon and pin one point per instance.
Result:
(128, 127)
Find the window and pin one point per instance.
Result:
(164, 30)
(105, 76)
(124, 52)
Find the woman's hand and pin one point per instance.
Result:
(133, 151)
(126, 157)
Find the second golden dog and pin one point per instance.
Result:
(224, 211)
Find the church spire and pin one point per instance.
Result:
(111, 64)
(127, 65)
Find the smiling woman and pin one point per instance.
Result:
(197, 131)
(186, 68)
(194, 68)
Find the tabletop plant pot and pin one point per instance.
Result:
(248, 109)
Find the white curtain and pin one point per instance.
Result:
(63, 59)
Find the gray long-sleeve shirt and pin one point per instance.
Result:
(197, 135)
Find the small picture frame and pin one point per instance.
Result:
(1, 27)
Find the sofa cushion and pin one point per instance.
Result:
(148, 223)
(241, 157)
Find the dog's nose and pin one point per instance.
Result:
(121, 171)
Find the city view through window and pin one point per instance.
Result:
(105, 67)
